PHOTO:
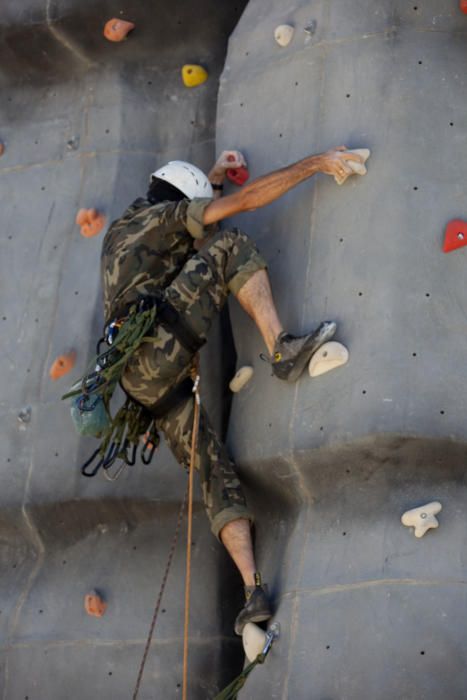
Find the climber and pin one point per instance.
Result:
(150, 253)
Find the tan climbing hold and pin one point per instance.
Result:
(62, 365)
(117, 29)
(254, 640)
(357, 168)
(91, 222)
(2, 148)
(422, 519)
(94, 604)
(283, 34)
(241, 379)
(328, 357)
(193, 75)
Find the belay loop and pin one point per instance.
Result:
(120, 435)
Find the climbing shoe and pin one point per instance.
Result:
(291, 354)
(256, 608)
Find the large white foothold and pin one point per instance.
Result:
(283, 34)
(328, 357)
(254, 640)
(357, 168)
(241, 379)
(422, 519)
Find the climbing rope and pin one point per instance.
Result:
(161, 593)
(194, 443)
(188, 497)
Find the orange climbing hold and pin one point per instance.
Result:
(117, 29)
(62, 365)
(94, 604)
(463, 6)
(91, 222)
(193, 75)
(455, 235)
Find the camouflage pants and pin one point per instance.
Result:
(198, 293)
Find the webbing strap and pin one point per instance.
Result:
(172, 399)
(170, 319)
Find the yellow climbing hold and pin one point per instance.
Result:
(193, 75)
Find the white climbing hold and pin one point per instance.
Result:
(254, 640)
(422, 519)
(283, 34)
(357, 168)
(241, 379)
(328, 357)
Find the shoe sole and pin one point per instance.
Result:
(324, 333)
(259, 617)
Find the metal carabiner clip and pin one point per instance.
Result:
(91, 459)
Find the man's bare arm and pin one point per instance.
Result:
(268, 188)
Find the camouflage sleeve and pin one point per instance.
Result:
(172, 217)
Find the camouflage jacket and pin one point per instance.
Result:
(146, 248)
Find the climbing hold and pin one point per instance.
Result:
(254, 640)
(2, 149)
(328, 357)
(237, 175)
(193, 75)
(117, 29)
(422, 519)
(91, 222)
(283, 34)
(463, 6)
(94, 604)
(455, 235)
(241, 379)
(357, 168)
(62, 365)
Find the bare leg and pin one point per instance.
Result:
(236, 538)
(256, 299)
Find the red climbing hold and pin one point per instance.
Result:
(62, 365)
(237, 175)
(94, 604)
(91, 222)
(455, 235)
(117, 29)
(463, 6)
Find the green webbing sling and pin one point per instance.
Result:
(231, 691)
(132, 420)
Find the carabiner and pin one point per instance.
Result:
(84, 471)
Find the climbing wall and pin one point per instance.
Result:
(83, 123)
(332, 463)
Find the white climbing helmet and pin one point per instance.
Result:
(185, 177)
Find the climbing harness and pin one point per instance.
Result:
(91, 396)
(187, 498)
(231, 691)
